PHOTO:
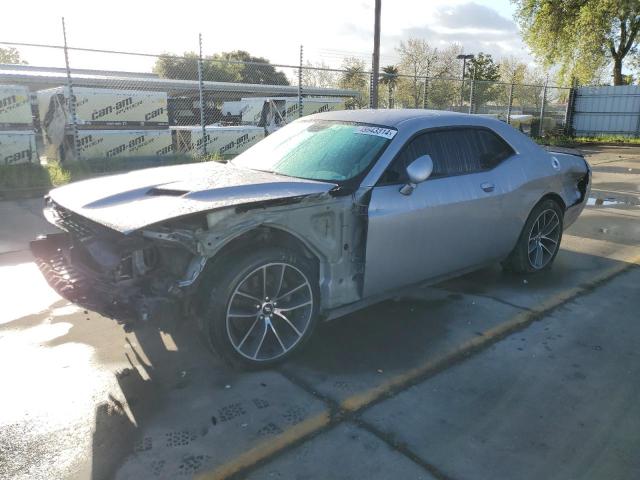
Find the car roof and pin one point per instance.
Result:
(390, 118)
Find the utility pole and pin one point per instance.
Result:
(464, 57)
(376, 56)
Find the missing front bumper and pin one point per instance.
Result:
(127, 301)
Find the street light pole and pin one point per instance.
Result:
(464, 57)
(376, 56)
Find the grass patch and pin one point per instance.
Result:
(30, 179)
(567, 141)
(22, 176)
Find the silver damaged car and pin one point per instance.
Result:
(333, 212)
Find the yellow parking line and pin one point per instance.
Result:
(268, 448)
(360, 400)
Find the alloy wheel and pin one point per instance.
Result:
(544, 238)
(269, 311)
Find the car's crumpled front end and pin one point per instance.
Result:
(140, 240)
(106, 269)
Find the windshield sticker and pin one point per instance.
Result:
(377, 131)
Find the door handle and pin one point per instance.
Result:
(488, 187)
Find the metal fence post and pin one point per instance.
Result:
(568, 114)
(544, 101)
(424, 93)
(201, 90)
(510, 104)
(300, 84)
(72, 99)
(371, 94)
(471, 91)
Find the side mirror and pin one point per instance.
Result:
(417, 171)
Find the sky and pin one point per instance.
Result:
(328, 29)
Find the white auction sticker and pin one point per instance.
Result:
(377, 131)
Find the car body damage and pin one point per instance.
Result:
(343, 216)
(327, 228)
(158, 262)
(130, 201)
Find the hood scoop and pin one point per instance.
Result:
(166, 192)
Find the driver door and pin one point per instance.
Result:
(449, 223)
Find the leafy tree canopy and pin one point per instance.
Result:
(221, 67)
(11, 55)
(419, 62)
(581, 36)
(319, 75)
(482, 67)
(389, 75)
(355, 77)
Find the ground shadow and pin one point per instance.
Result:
(158, 359)
(395, 333)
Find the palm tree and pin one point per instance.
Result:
(389, 78)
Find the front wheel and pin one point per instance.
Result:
(262, 308)
(539, 241)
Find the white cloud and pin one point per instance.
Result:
(273, 29)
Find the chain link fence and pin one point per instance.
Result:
(74, 103)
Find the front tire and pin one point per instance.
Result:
(262, 307)
(539, 241)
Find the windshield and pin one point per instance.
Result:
(324, 150)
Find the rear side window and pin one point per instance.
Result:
(456, 151)
(493, 149)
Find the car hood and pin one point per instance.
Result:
(133, 200)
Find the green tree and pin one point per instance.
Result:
(389, 77)
(441, 92)
(222, 67)
(11, 55)
(627, 79)
(319, 75)
(355, 77)
(483, 72)
(581, 35)
(425, 71)
(512, 70)
(254, 69)
(483, 67)
(417, 62)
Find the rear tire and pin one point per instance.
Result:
(262, 307)
(539, 241)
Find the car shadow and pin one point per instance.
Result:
(149, 362)
(392, 335)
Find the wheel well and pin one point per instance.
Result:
(549, 196)
(556, 198)
(259, 237)
(266, 236)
